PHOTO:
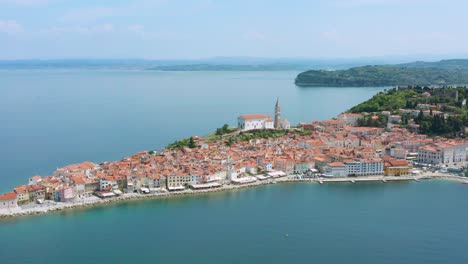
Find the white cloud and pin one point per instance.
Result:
(10, 27)
(87, 30)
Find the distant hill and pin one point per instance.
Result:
(445, 72)
(229, 67)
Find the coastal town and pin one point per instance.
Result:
(335, 149)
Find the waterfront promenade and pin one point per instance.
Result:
(33, 209)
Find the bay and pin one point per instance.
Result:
(51, 118)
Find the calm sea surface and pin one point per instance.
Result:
(57, 117)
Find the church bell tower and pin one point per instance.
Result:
(277, 114)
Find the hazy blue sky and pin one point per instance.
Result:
(162, 29)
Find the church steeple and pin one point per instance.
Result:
(277, 114)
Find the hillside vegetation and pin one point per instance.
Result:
(446, 72)
(436, 111)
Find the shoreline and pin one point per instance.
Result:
(95, 201)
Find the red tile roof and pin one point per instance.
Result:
(336, 164)
(8, 196)
(255, 116)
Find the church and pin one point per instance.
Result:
(261, 121)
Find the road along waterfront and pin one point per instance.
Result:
(94, 201)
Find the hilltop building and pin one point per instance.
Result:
(261, 121)
(256, 121)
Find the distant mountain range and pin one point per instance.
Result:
(209, 64)
(444, 72)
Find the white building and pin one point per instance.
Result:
(394, 119)
(336, 169)
(8, 200)
(442, 153)
(364, 167)
(34, 180)
(177, 181)
(107, 184)
(256, 121)
(429, 155)
(460, 153)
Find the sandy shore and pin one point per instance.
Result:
(93, 201)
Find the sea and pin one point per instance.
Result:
(53, 117)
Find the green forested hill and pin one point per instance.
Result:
(446, 72)
(448, 115)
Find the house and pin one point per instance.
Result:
(91, 185)
(8, 200)
(312, 144)
(64, 194)
(284, 164)
(36, 192)
(34, 180)
(267, 164)
(80, 187)
(256, 121)
(336, 169)
(349, 118)
(22, 194)
(107, 183)
(394, 119)
(396, 167)
(303, 166)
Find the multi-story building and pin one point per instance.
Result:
(181, 180)
(8, 200)
(22, 193)
(364, 167)
(442, 153)
(336, 169)
(429, 155)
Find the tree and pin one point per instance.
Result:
(420, 116)
(191, 143)
(225, 128)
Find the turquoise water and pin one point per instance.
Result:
(53, 118)
(417, 223)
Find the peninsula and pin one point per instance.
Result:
(442, 73)
(260, 150)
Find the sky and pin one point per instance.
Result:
(190, 29)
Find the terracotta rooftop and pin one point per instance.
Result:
(8, 196)
(255, 116)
